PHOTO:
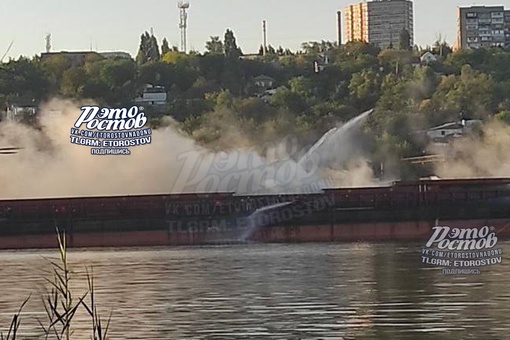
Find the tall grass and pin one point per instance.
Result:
(13, 328)
(60, 304)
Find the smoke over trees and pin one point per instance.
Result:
(408, 94)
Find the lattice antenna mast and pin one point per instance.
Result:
(183, 23)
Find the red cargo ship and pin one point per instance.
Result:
(402, 211)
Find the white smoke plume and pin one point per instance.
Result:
(475, 157)
(50, 166)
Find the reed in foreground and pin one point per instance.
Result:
(13, 328)
(60, 304)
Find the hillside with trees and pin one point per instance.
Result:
(212, 94)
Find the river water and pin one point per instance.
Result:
(306, 291)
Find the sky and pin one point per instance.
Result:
(116, 25)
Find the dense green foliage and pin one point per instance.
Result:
(213, 94)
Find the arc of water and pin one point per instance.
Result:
(330, 136)
(253, 222)
(316, 146)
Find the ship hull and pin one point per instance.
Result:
(351, 232)
(402, 212)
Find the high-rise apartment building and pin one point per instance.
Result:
(379, 22)
(483, 26)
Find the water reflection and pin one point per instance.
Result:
(314, 291)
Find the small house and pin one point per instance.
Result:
(427, 58)
(22, 107)
(152, 96)
(451, 130)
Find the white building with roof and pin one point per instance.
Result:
(152, 96)
(450, 130)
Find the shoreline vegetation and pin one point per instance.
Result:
(61, 304)
(224, 99)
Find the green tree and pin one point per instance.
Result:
(472, 93)
(96, 89)
(424, 83)
(24, 77)
(119, 76)
(232, 78)
(317, 47)
(364, 89)
(174, 57)
(475, 58)
(287, 99)
(405, 40)
(212, 66)
(153, 53)
(215, 45)
(165, 48)
(225, 99)
(497, 65)
(358, 48)
(142, 56)
(302, 86)
(55, 66)
(395, 95)
(73, 82)
(149, 49)
(160, 73)
(230, 45)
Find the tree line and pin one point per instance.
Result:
(213, 93)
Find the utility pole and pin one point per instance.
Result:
(391, 35)
(264, 32)
(48, 42)
(339, 27)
